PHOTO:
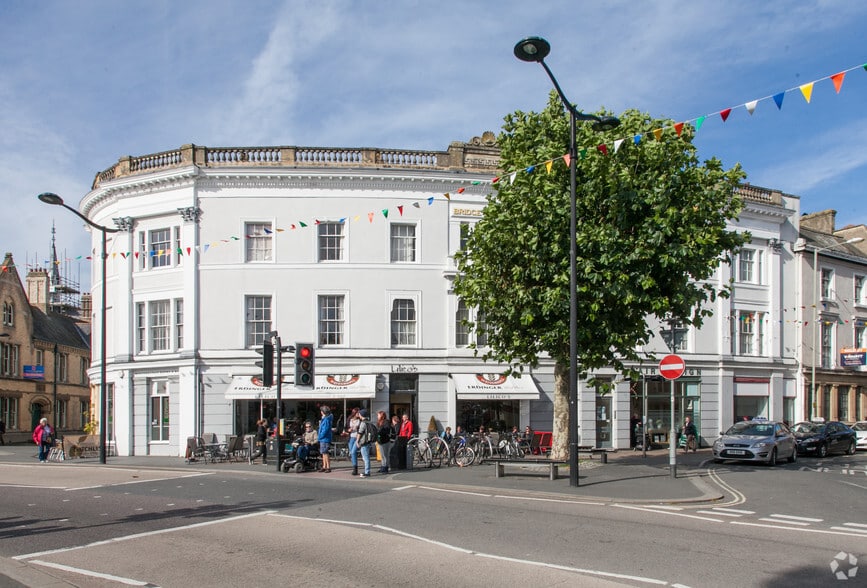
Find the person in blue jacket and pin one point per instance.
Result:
(325, 438)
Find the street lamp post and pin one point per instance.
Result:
(56, 200)
(816, 253)
(535, 49)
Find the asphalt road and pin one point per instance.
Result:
(185, 527)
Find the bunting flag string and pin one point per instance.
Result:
(806, 91)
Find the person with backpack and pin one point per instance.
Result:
(366, 436)
(383, 440)
(43, 436)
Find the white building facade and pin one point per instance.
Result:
(352, 249)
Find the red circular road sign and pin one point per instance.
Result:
(671, 367)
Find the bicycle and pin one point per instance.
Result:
(462, 455)
(482, 447)
(429, 452)
(510, 447)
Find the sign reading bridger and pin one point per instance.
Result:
(671, 367)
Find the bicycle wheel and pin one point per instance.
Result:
(439, 450)
(485, 451)
(464, 456)
(421, 455)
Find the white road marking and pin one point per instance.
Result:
(138, 482)
(666, 512)
(785, 522)
(140, 535)
(796, 529)
(83, 572)
(737, 496)
(404, 487)
(718, 513)
(844, 528)
(455, 491)
(735, 510)
(794, 518)
(561, 500)
(855, 525)
(490, 555)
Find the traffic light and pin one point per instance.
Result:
(267, 364)
(305, 362)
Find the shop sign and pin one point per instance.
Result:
(34, 372)
(404, 369)
(853, 357)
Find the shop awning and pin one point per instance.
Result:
(495, 387)
(328, 387)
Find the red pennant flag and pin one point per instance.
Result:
(370, 217)
(495, 180)
(316, 222)
(400, 210)
(188, 250)
(603, 149)
(725, 113)
(838, 80)
(461, 190)
(123, 255)
(678, 128)
(136, 254)
(568, 159)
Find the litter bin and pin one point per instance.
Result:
(400, 451)
(271, 444)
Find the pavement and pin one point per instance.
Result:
(628, 476)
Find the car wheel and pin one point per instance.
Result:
(794, 456)
(772, 459)
(851, 449)
(823, 450)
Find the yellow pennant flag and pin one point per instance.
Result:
(549, 164)
(807, 91)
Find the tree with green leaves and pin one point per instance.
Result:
(652, 228)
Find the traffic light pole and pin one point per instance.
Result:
(278, 434)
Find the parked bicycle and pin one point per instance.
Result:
(429, 452)
(511, 446)
(482, 446)
(462, 455)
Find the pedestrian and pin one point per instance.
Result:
(310, 435)
(259, 440)
(325, 437)
(43, 436)
(393, 458)
(383, 440)
(447, 436)
(362, 441)
(689, 432)
(352, 429)
(2, 432)
(403, 437)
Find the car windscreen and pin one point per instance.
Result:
(758, 429)
(811, 428)
(860, 426)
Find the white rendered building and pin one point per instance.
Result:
(352, 249)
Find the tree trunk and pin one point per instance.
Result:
(560, 426)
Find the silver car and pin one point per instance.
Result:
(756, 440)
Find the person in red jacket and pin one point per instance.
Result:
(43, 436)
(403, 435)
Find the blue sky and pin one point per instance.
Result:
(84, 83)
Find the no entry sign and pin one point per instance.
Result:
(671, 367)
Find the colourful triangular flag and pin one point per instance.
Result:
(778, 100)
(400, 210)
(725, 113)
(678, 128)
(807, 91)
(699, 121)
(751, 106)
(838, 80)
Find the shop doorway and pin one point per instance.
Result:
(658, 401)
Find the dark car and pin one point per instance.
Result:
(822, 438)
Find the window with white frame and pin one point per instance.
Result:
(827, 343)
(331, 319)
(158, 248)
(62, 414)
(9, 412)
(403, 322)
(178, 252)
(681, 336)
(827, 283)
(179, 323)
(159, 411)
(750, 266)
(330, 241)
(8, 314)
(257, 319)
(259, 241)
(40, 357)
(750, 333)
(62, 367)
(9, 359)
(466, 229)
(860, 294)
(403, 243)
(159, 325)
(467, 320)
(860, 333)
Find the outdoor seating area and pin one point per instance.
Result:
(208, 449)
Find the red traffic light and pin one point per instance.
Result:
(305, 352)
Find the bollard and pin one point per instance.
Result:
(604, 457)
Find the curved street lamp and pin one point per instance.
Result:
(54, 199)
(535, 49)
(816, 253)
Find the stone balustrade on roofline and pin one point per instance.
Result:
(479, 155)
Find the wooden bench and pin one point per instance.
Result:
(502, 462)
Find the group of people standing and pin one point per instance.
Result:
(388, 437)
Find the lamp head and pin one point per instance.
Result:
(50, 198)
(532, 49)
(855, 240)
(606, 123)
